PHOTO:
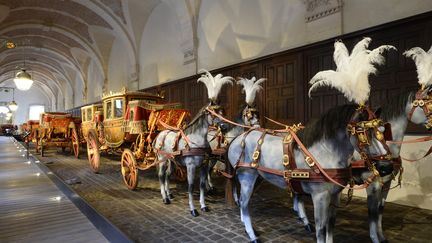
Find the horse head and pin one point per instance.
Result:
(420, 110)
(214, 112)
(366, 134)
(250, 116)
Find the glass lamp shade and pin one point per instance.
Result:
(23, 80)
(13, 106)
(9, 114)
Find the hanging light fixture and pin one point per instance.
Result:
(23, 80)
(13, 106)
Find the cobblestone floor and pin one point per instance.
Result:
(141, 215)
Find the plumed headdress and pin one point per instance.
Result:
(213, 84)
(423, 61)
(251, 87)
(352, 72)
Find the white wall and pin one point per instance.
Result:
(160, 53)
(95, 83)
(119, 66)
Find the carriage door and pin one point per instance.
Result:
(114, 110)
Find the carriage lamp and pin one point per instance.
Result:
(23, 80)
(13, 106)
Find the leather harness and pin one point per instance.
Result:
(340, 176)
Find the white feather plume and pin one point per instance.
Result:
(251, 87)
(213, 84)
(423, 61)
(352, 73)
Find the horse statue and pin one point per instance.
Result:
(327, 140)
(247, 116)
(188, 147)
(414, 107)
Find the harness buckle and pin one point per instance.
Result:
(288, 138)
(309, 161)
(256, 155)
(300, 175)
(254, 164)
(285, 160)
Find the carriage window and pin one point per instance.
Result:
(118, 107)
(89, 114)
(108, 110)
(83, 115)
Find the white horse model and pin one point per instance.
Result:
(329, 143)
(248, 116)
(189, 147)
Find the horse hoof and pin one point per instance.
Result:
(310, 228)
(256, 234)
(256, 241)
(205, 209)
(166, 201)
(384, 241)
(194, 213)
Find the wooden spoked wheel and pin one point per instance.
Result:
(37, 145)
(75, 142)
(93, 152)
(129, 169)
(41, 149)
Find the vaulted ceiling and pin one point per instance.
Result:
(58, 39)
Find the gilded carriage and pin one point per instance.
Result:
(31, 128)
(91, 117)
(107, 132)
(58, 129)
(142, 121)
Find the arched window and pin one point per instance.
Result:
(35, 111)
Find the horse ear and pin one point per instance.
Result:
(378, 112)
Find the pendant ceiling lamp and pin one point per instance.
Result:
(23, 80)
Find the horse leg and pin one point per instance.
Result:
(167, 181)
(300, 211)
(321, 203)
(203, 178)
(209, 185)
(373, 201)
(247, 180)
(191, 176)
(161, 176)
(334, 203)
(384, 194)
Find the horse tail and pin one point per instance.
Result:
(180, 173)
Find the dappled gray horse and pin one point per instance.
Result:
(189, 150)
(326, 139)
(219, 139)
(397, 112)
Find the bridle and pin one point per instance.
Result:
(248, 113)
(361, 129)
(424, 101)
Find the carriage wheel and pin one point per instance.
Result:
(129, 170)
(93, 152)
(37, 145)
(75, 142)
(41, 149)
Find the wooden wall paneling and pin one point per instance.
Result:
(280, 96)
(195, 95)
(323, 98)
